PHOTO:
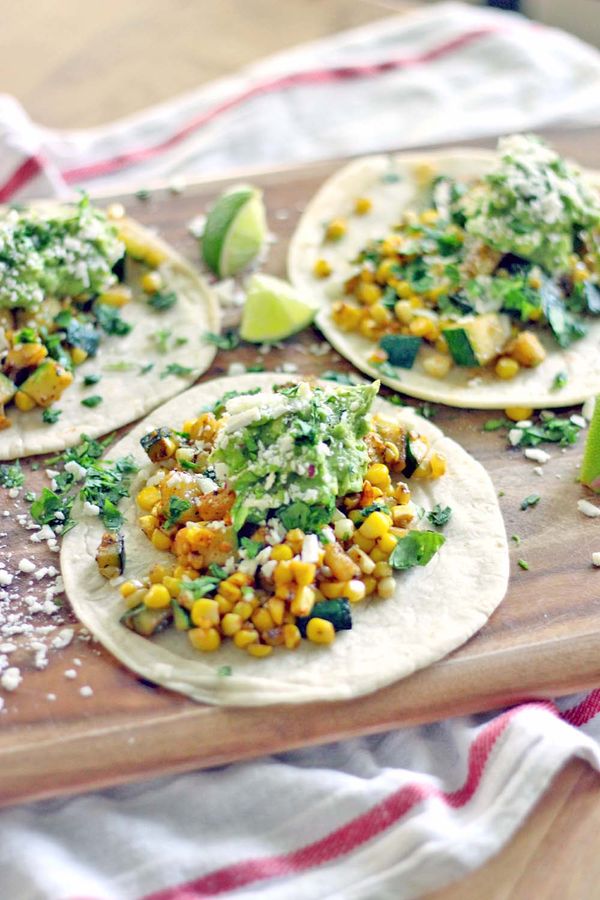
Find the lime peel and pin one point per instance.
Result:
(274, 310)
(590, 467)
(235, 231)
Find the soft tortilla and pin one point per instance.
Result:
(435, 609)
(127, 394)
(471, 388)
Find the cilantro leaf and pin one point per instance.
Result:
(91, 402)
(495, 424)
(91, 379)
(217, 571)
(565, 327)
(308, 518)
(229, 340)
(177, 507)
(252, 548)
(523, 564)
(531, 500)
(175, 369)
(161, 339)
(439, 516)
(200, 587)
(11, 475)
(109, 319)
(417, 548)
(111, 516)
(559, 381)
(50, 416)
(162, 301)
(47, 505)
(339, 377)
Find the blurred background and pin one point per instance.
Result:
(74, 65)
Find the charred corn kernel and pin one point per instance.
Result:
(379, 475)
(205, 639)
(239, 578)
(243, 609)
(244, 638)
(147, 524)
(391, 453)
(127, 588)
(262, 619)
(380, 314)
(365, 544)
(259, 650)
(331, 590)
(276, 608)
(355, 591)
(387, 543)
(304, 573)
(369, 328)
(230, 624)
(151, 282)
(283, 573)
(172, 585)
(527, 349)
(346, 315)
(291, 636)
(281, 552)
(437, 464)
(518, 413)
(437, 365)
(303, 602)
(402, 493)
(382, 570)
(295, 536)
(148, 497)
(404, 312)
(23, 402)
(375, 526)
(368, 293)
(229, 590)
(225, 605)
(341, 565)
(385, 269)
(205, 609)
(362, 560)
(362, 205)
(160, 540)
(78, 355)
(321, 268)
(335, 230)
(118, 295)
(320, 631)
(283, 591)
(157, 574)
(429, 217)
(157, 597)
(367, 275)
(421, 326)
(115, 211)
(506, 367)
(370, 585)
(386, 588)
(378, 555)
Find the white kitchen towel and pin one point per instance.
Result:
(390, 816)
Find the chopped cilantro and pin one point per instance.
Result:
(495, 424)
(224, 671)
(161, 301)
(516, 539)
(229, 340)
(91, 379)
(50, 416)
(11, 475)
(161, 339)
(439, 516)
(180, 341)
(550, 429)
(175, 369)
(252, 548)
(109, 319)
(523, 564)
(111, 516)
(122, 366)
(217, 571)
(47, 505)
(147, 368)
(428, 411)
(531, 500)
(201, 586)
(29, 496)
(91, 402)
(416, 548)
(256, 367)
(559, 381)
(177, 507)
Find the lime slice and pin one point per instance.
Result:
(235, 231)
(273, 310)
(590, 467)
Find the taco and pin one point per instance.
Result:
(461, 276)
(100, 321)
(289, 542)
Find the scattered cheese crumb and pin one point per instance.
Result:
(515, 436)
(86, 691)
(25, 565)
(11, 679)
(588, 509)
(537, 455)
(70, 673)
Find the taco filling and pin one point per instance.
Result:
(487, 276)
(62, 286)
(280, 510)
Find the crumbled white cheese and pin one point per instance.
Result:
(537, 455)
(25, 565)
(578, 420)
(596, 559)
(70, 673)
(515, 436)
(86, 690)
(5, 578)
(236, 368)
(588, 509)
(310, 549)
(63, 638)
(90, 509)
(77, 471)
(11, 678)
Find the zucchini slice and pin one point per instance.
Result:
(477, 340)
(401, 349)
(160, 444)
(7, 390)
(110, 555)
(146, 621)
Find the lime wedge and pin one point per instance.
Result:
(273, 310)
(235, 231)
(590, 467)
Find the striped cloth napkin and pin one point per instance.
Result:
(391, 816)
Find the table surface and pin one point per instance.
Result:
(109, 67)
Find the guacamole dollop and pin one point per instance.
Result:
(68, 254)
(291, 453)
(533, 204)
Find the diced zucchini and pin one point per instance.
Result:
(7, 390)
(181, 620)
(110, 555)
(46, 384)
(401, 349)
(83, 335)
(415, 451)
(477, 340)
(146, 621)
(160, 444)
(335, 611)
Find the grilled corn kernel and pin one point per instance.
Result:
(243, 609)
(367, 275)
(225, 605)
(380, 314)
(127, 588)
(368, 293)
(295, 536)
(291, 636)
(230, 624)
(355, 591)
(369, 328)
(172, 585)
(244, 638)
(304, 573)
(205, 610)
(23, 402)
(151, 282)
(386, 588)
(506, 367)
(262, 619)
(437, 365)
(362, 205)
(378, 555)
(437, 465)
(322, 268)
(365, 544)
(386, 543)
(239, 578)
(429, 217)
(423, 173)
(160, 540)
(402, 493)
(335, 230)
(346, 315)
(362, 560)
(527, 349)
(148, 497)
(320, 631)
(382, 570)
(281, 552)
(303, 602)
(370, 585)
(385, 270)
(379, 475)
(283, 573)
(229, 590)
(205, 639)
(78, 355)
(157, 597)
(344, 529)
(421, 326)
(375, 526)
(276, 608)
(147, 524)
(259, 650)
(119, 295)
(518, 413)
(333, 589)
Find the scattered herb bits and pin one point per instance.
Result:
(91, 402)
(530, 501)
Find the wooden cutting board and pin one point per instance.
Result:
(544, 640)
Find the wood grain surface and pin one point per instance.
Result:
(544, 639)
